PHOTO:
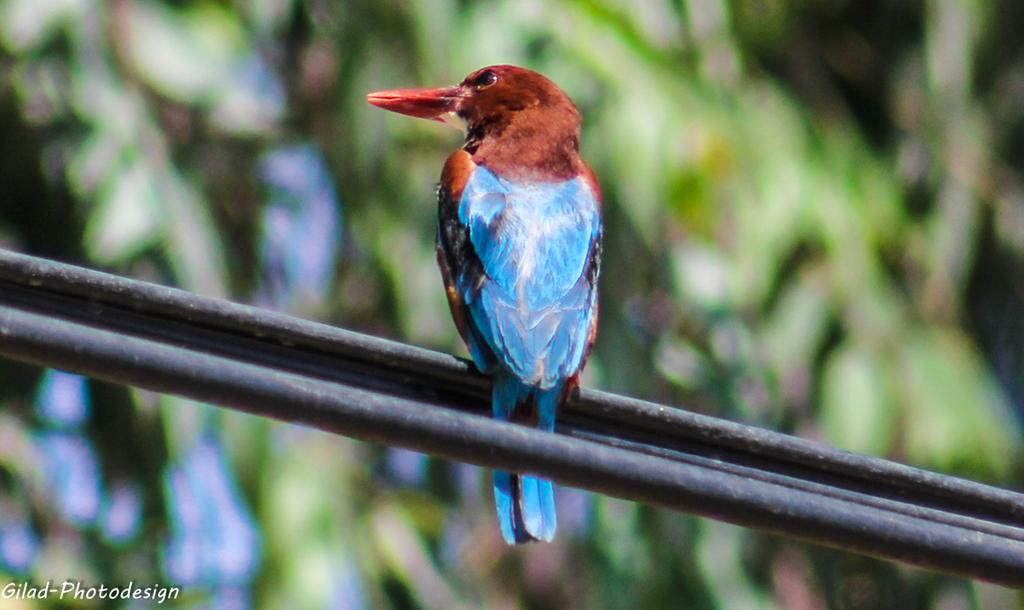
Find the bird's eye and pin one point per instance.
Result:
(485, 79)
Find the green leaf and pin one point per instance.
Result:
(186, 55)
(855, 414)
(126, 220)
(957, 419)
(25, 24)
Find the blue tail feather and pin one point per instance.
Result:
(525, 504)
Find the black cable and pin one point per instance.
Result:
(274, 365)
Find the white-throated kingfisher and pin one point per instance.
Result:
(519, 246)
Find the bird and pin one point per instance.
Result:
(519, 244)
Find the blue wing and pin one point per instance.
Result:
(520, 264)
(530, 295)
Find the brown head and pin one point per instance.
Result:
(518, 123)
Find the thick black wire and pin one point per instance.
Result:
(262, 362)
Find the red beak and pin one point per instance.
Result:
(422, 103)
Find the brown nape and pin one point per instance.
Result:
(523, 127)
(538, 146)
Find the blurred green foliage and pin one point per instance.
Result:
(814, 222)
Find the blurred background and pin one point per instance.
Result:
(814, 223)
